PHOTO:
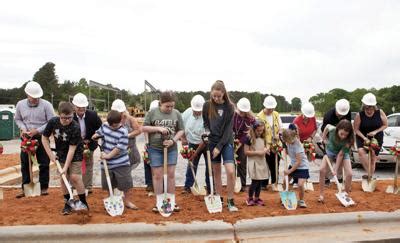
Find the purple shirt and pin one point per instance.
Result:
(241, 126)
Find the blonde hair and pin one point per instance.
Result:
(252, 132)
(289, 135)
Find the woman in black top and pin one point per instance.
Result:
(369, 123)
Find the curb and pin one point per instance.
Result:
(211, 230)
(285, 226)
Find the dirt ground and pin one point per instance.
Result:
(7, 160)
(46, 209)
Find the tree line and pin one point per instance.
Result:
(54, 91)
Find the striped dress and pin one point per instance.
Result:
(115, 139)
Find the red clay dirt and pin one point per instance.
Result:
(7, 160)
(46, 209)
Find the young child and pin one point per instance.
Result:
(255, 149)
(338, 147)
(115, 144)
(69, 150)
(299, 165)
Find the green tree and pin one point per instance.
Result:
(47, 78)
(296, 104)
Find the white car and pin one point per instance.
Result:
(287, 119)
(391, 136)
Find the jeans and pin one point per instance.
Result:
(189, 176)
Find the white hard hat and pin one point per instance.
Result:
(308, 110)
(244, 105)
(154, 104)
(197, 103)
(33, 89)
(118, 105)
(342, 107)
(80, 100)
(270, 102)
(369, 99)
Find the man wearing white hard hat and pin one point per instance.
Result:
(194, 128)
(335, 115)
(31, 116)
(89, 122)
(273, 126)
(243, 119)
(369, 123)
(134, 129)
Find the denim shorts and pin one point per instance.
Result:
(156, 157)
(332, 156)
(226, 153)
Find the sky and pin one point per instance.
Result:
(290, 48)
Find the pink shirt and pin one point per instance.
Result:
(305, 129)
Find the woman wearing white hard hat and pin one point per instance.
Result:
(341, 111)
(273, 126)
(31, 116)
(134, 129)
(243, 119)
(89, 122)
(306, 123)
(369, 123)
(194, 128)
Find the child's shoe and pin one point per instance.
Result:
(231, 206)
(250, 202)
(302, 204)
(259, 202)
(67, 210)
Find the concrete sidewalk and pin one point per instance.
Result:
(358, 226)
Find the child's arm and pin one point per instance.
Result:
(295, 166)
(68, 160)
(122, 145)
(111, 155)
(98, 133)
(46, 146)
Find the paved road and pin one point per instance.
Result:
(12, 146)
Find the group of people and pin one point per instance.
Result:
(236, 138)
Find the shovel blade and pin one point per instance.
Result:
(32, 189)
(213, 203)
(1, 194)
(289, 200)
(238, 185)
(392, 190)
(368, 186)
(198, 190)
(164, 204)
(344, 199)
(114, 205)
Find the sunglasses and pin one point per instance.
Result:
(66, 117)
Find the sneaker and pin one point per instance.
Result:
(44, 192)
(302, 204)
(67, 210)
(243, 189)
(340, 180)
(20, 195)
(154, 209)
(250, 202)
(295, 185)
(89, 191)
(259, 202)
(231, 206)
(327, 182)
(186, 190)
(264, 188)
(149, 189)
(364, 177)
(177, 208)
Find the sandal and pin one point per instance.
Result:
(321, 199)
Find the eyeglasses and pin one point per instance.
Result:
(369, 107)
(66, 117)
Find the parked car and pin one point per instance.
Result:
(393, 129)
(287, 119)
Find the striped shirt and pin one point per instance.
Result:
(115, 139)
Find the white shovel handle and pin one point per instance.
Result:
(110, 190)
(331, 169)
(210, 173)
(67, 185)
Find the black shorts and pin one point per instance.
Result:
(300, 174)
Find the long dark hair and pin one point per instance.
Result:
(220, 86)
(348, 127)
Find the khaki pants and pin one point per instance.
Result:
(88, 177)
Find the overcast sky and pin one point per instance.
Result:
(291, 48)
